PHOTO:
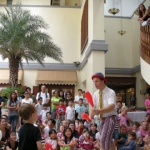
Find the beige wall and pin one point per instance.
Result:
(119, 54)
(96, 63)
(29, 77)
(2, 1)
(123, 50)
(135, 41)
(63, 28)
(73, 2)
(140, 85)
(32, 2)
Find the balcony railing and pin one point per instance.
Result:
(145, 43)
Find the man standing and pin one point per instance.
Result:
(104, 106)
(43, 94)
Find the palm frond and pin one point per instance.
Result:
(21, 35)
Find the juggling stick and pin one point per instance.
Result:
(89, 98)
(85, 116)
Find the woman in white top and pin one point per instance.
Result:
(27, 98)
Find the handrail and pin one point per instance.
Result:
(145, 43)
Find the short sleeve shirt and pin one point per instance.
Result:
(123, 119)
(28, 136)
(55, 99)
(45, 97)
(77, 97)
(29, 101)
(108, 97)
(9, 145)
(80, 110)
(147, 103)
(70, 113)
(13, 104)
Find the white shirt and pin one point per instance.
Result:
(97, 136)
(70, 112)
(39, 108)
(43, 114)
(52, 142)
(46, 131)
(45, 97)
(77, 97)
(138, 133)
(108, 97)
(29, 101)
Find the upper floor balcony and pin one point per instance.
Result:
(145, 53)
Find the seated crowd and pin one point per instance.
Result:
(61, 126)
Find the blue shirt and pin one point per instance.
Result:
(80, 110)
(131, 146)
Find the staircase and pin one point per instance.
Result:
(145, 53)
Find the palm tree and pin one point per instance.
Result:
(21, 37)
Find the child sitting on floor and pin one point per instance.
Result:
(129, 144)
(87, 141)
(144, 129)
(122, 135)
(52, 139)
(11, 144)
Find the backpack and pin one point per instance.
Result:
(40, 94)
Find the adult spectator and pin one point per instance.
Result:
(1, 104)
(68, 97)
(55, 102)
(18, 97)
(31, 95)
(45, 95)
(13, 106)
(142, 11)
(146, 17)
(76, 101)
(61, 95)
(147, 101)
(132, 100)
(71, 125)
(27, 98)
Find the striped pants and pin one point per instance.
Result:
(106, 129)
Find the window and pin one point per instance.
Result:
(84, 27)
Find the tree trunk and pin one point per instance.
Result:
(13, 71)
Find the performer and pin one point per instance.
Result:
(104, 106)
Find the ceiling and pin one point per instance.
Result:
(126, 7)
